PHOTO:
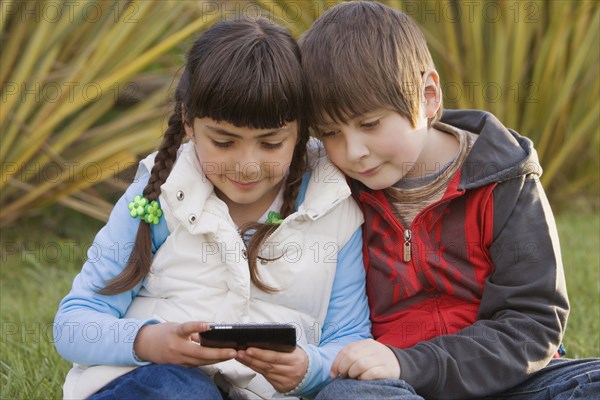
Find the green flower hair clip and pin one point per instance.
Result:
(274, 218)
(141, 208)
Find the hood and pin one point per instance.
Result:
(499, 154)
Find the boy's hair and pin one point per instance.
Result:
(361, 56)
(246, 72)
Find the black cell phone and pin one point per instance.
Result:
(278, 337)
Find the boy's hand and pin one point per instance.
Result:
(366, 360)
(284, 371)
(173, 343)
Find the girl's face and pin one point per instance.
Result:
(247, 166)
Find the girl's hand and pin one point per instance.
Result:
(284, 371)
(174, 343)
(365, 360)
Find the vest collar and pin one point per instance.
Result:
(189, 196)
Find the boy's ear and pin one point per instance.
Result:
(432, 93)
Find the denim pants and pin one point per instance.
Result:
(161, 381)
(562, 379)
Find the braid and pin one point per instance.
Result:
(296, 172)
(140, 259)
(290, 193)
(166, 156)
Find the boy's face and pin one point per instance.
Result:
(377, 149)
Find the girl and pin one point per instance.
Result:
(242, 223)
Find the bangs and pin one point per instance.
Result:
(249, 80)
(362, 56)
(335, 98)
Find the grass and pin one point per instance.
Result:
(580, 236)
(42, 254)
(50, 249)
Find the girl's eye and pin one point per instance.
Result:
(371, 124)
(272, 146)
(222, 144)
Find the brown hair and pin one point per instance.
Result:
(248, 73)
(361, 56)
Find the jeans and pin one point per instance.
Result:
(562, 379)
(161, 381)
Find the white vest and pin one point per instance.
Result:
(201, 273)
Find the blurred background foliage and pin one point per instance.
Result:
(86, 85)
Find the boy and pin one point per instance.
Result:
(464, 272)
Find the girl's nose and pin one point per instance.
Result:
(246, 161)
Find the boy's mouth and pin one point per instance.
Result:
(370, 171)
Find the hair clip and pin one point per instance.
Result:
(145, 210)
(273, 217)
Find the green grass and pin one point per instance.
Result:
(35, 277)
(579, 238)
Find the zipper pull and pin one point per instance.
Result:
(407, 237)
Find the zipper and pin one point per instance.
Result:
(274, 232)
(235, 228)
(407, 245)
(279, 227)
(407, 232)
(416, 221)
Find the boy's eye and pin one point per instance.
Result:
(326, 134)
(272, 146)
(222, 144)
(370, 124)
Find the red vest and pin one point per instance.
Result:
(438, 288)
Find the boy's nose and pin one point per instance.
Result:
(356, 149)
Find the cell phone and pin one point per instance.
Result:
(278, 337)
